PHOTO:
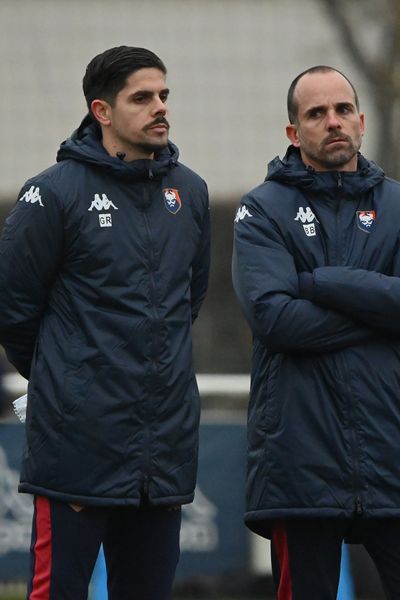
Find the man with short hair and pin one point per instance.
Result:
(316, 269)
(104, 267)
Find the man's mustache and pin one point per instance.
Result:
(158, 121)
(335, 135)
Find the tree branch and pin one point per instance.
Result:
(344, 23)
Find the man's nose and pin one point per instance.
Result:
(333, 121)
(159, 107)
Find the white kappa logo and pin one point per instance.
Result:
(32, 195)
(102, 203)
(307, 217)
(242, 212)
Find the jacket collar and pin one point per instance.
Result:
(85, 145)
(292, 171)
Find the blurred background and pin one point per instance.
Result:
(230, 63)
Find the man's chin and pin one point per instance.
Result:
(153, 147)
(338, 159)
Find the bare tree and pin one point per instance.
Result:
(370, 32)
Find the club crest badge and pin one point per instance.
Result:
(365, 220)
(172, 200)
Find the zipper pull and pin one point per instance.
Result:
(359, 507)
(339, 180)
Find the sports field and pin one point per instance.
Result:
(17, 592)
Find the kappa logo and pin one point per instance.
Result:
(241, 213)
(32, 196)
(172, 200)
(102, 203)
(307, 217)
(365, 220)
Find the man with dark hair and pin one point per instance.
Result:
(292, 106)
(103, 80)
(316, 269)
(104, 267)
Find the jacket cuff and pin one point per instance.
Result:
(306, 286)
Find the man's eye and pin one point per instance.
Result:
(314, 114)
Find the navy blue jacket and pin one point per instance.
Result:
(316, 269)
(104, 266)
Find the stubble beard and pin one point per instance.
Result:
(151, 147)
(338, 159)
(335, 159)
(146, 148)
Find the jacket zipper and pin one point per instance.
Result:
(354, 444)
(352, 422)
(338, 257)
(154, 347)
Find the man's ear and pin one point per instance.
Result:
(362, 123)
(101, 111)
(292, 134)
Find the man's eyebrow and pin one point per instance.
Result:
(322, 107)
(313, 108)
(345, 103)
(146, 92)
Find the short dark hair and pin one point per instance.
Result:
(106, 74)
(291, 102)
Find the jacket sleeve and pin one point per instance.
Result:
(30, 252)
(266, 283)
(367, 296)
(201, 265)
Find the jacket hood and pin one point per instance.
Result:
(292, 171)
(85, 145)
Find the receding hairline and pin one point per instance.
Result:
(292, 105)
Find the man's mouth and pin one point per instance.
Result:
(159, 124)
(335, 140)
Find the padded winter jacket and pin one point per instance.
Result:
(103, 268)
(316, 269)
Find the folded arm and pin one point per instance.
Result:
(266, 283)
